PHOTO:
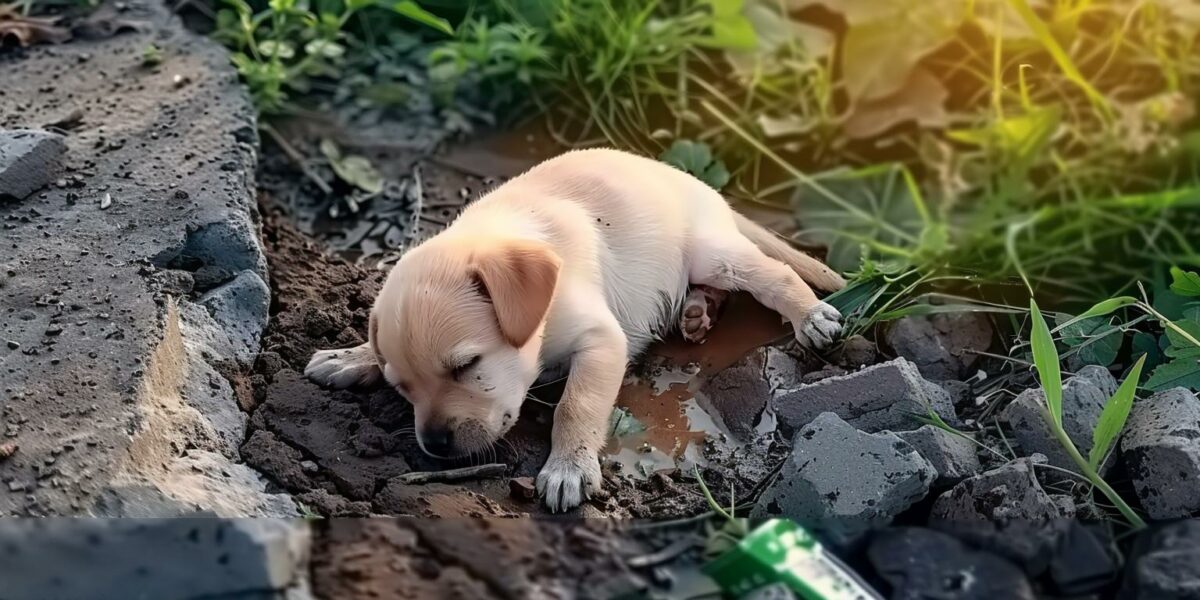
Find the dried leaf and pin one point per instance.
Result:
(922, 99)
(20, 30)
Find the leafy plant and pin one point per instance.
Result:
(697, 159)
(281, 48)
(1112, 419)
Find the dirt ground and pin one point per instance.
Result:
(338, 451)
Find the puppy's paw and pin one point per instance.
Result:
(700, 310)
(567, 480)
(341, 369)
(820, 326)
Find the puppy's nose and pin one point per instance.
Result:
(438, 441)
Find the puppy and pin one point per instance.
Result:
(579, 263)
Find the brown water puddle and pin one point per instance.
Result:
(666, 399)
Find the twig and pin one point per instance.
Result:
(296, 157)
(476, 472)
(666, 554)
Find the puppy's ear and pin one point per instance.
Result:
(519, 278)
(373, 337)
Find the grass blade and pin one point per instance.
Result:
(1112, 419)
(1045, 358)
(1100, 309)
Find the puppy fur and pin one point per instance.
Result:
(578, 264)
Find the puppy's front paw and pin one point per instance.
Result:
(340, 369)
(567, 480)
(820, 326)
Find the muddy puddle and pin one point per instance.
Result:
(685, 406)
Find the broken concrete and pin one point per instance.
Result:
(943, 346)
(165, 559)
(1084, 396)
(29, 161)
(1162, 450)
(119, 389)
(887, 396)
(1006, 511)
(953, 456)
(922, 563)
(843, 481)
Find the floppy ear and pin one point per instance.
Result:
(373, 337)
(519, 278)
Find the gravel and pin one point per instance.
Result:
(1162, 450)
(29, 160)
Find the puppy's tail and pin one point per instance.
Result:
(811, 270)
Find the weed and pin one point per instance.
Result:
(285, 46)
(1112, 419)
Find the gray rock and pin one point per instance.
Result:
(843, 481)
(1084, 562)
(1084, 396)
(954, 457)
(29, 160)
(921, 564)
(1006, 511)
(129, 396)
(737, 395)
(154, 558)
(883, 396)
(941, 345)
(1168, 564)
(856, 351)
(782, 370)
(1161, 445)
(240, 308)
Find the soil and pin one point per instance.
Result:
(337, 449)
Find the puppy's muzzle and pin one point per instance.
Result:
(455, 438)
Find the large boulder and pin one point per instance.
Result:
(1162, 450)
(154, 558)
(119, 381)
(843, 482)
(884, 396)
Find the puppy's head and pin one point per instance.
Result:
(458, 329)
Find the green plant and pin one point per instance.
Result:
(283, 47)
(1112, 419)
(696, 158)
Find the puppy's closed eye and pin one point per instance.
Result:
(463, 367)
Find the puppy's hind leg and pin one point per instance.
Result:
(700, 310)
(729, 261)
(344, 368)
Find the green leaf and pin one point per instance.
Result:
(1185, 283)
(354, 170)
(1045, 358)
(697, 159)
(1180, 372)
(1096, 340)
(1179, 346)
(413, 11)
(1100, 309)
(870, 207)
(1146, 344)
(622, 423)
(1112, 419)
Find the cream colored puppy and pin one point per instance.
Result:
(579, 263)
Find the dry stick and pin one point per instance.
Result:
(476, 472)
(666, 554)
(296, 158)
